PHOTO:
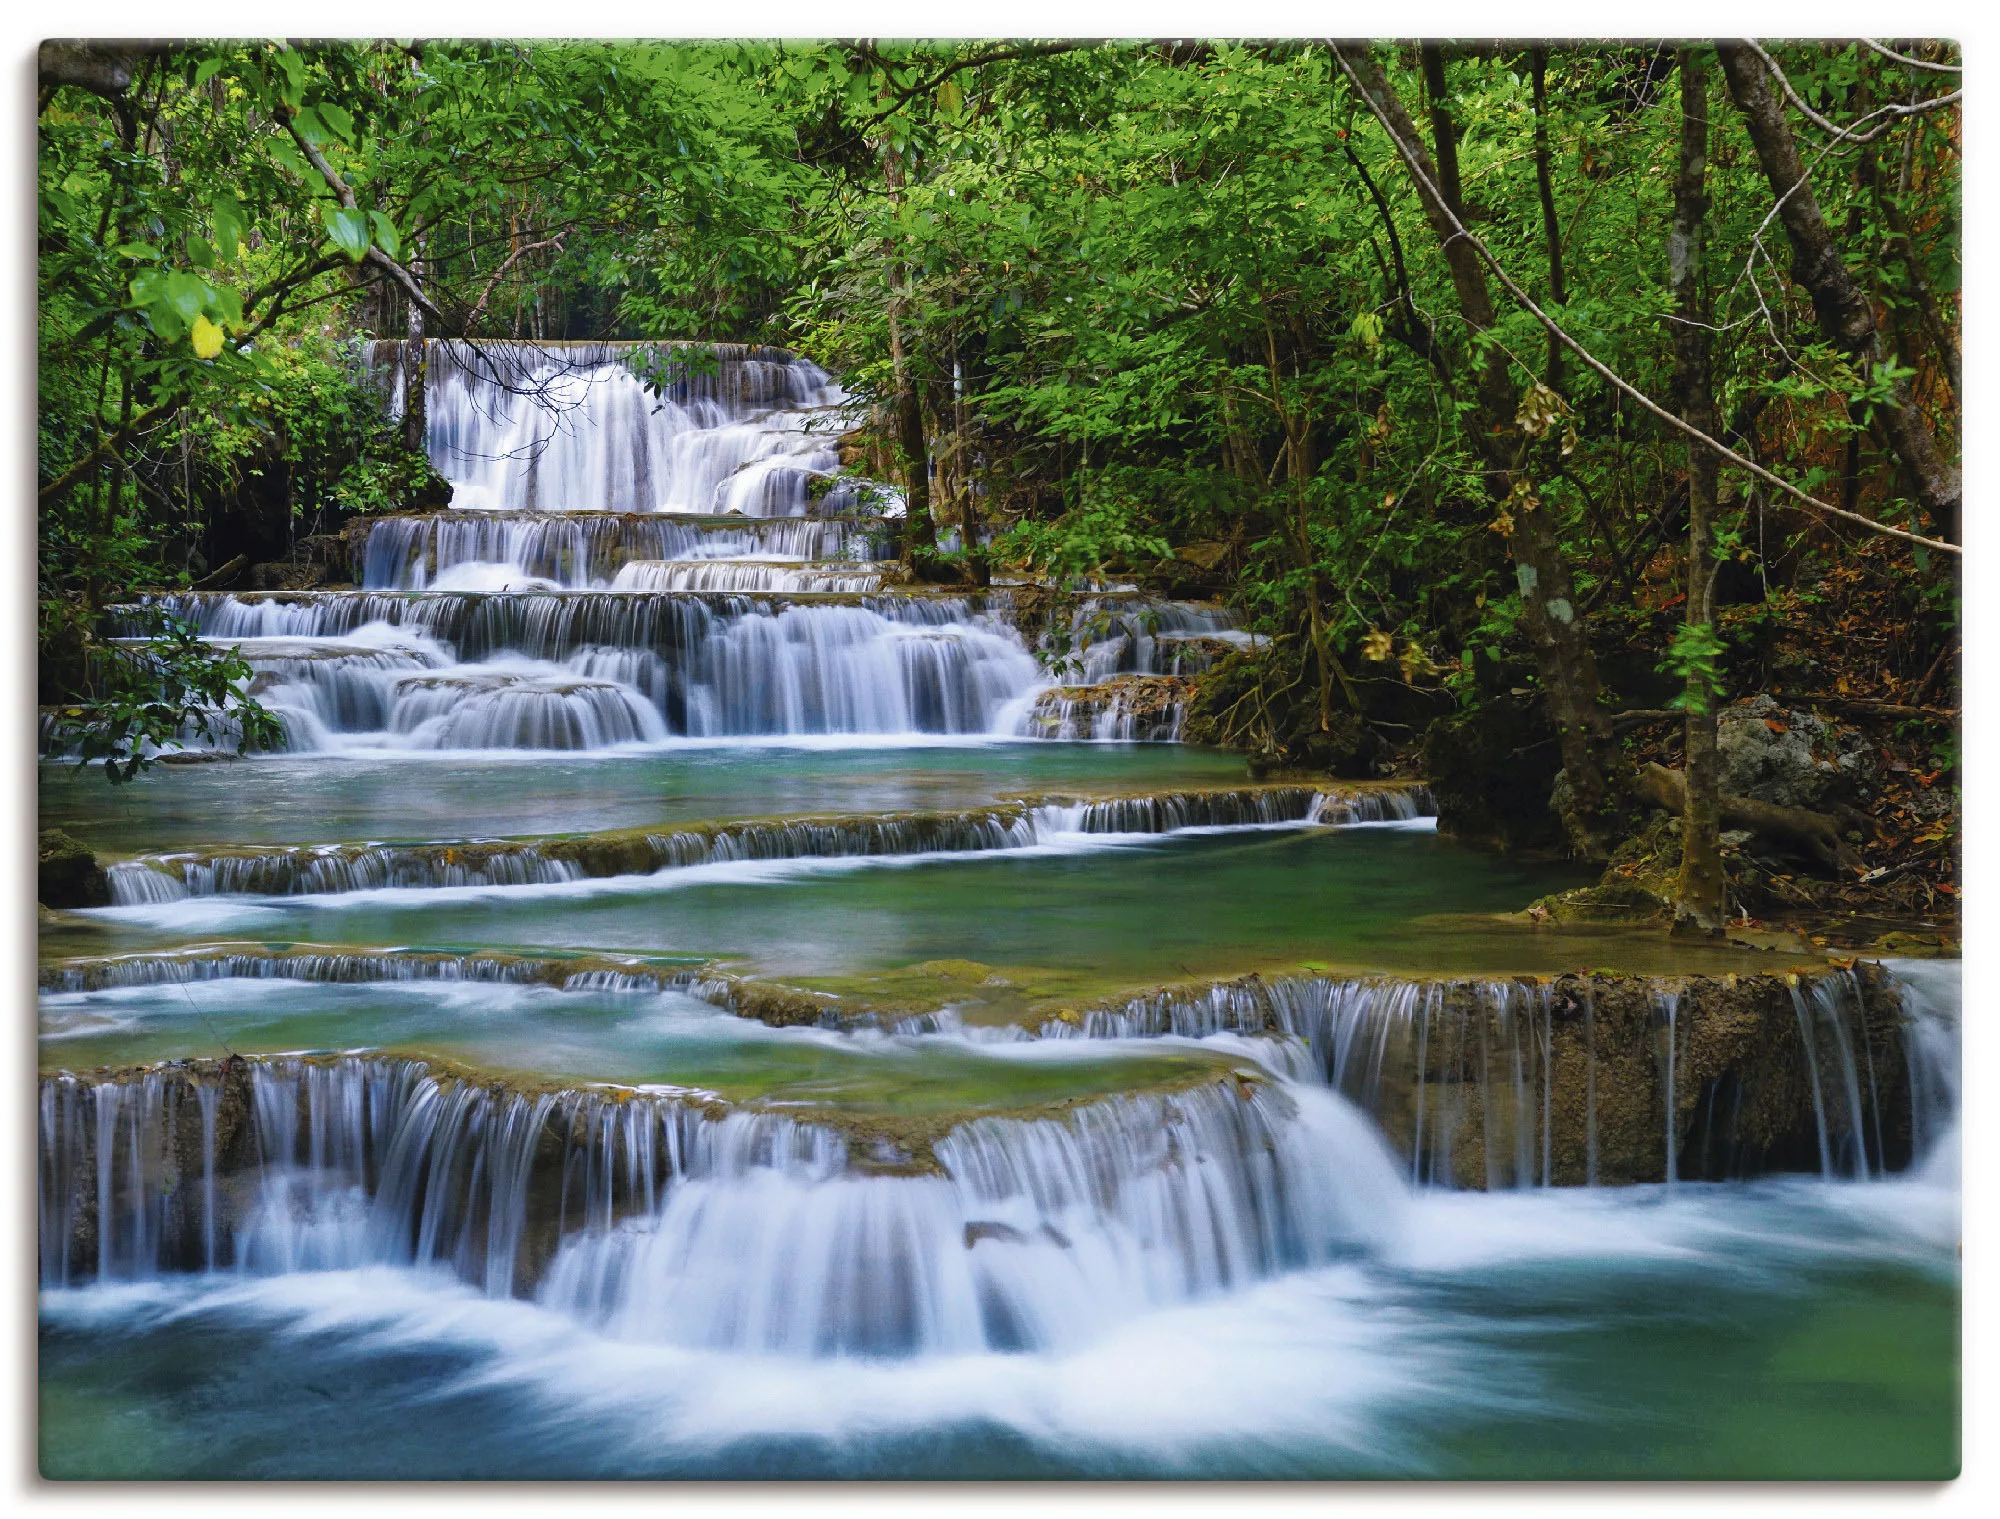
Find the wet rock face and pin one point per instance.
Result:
(68, 874)
(1791, 759)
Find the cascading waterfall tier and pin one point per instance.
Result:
(745, 575)
(1109, 637)
(669, 1217)
(1123, 709)
(335, 964)
(585, 550)
(641, 427)
(1563, 1081)
(316, 869)
(581, 670)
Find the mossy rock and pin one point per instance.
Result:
(1622, 902)
(68, 873)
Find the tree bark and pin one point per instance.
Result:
(1699, 905)
(1845, 315)
(1538, 60)
(416, 374)
(920, 532)
(1563, 659)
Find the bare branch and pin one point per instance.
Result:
(506, 264)
(1895, 113)
(1915, 63)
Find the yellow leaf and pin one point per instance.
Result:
(207, 338)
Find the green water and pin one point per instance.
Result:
(1765, 1332)
(1058, 922)
(627, 1038)
(1789, 1329)
(406, 797)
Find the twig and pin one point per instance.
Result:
(506, 264)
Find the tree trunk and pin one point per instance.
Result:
(977, 564)
(1699, 904)
(416, 411)
(1538, 59)
(1845, 314)
(1563, 659)
(919, 531)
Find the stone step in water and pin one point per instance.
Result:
(334, 868)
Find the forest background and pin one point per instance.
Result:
(1424, 356)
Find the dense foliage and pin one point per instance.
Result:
(1187, 313)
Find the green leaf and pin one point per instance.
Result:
(293, 90)
(338, 119)
(226, 304)
(386, 236)
(186, 293)
(229, 227)
(200, 254)
(208, 70)
(286, 152)
(348, 231)
(311, 128)
(137, 252)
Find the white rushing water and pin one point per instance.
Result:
(1204, 1282)
(625, 566)
(563, 427)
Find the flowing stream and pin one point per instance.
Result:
(688, 1003)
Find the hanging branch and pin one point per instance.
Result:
(1604, 371)
(1895, 113)
(1915, 63)
(375, 255)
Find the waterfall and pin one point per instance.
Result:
(588, 670)
(229, 962)
(588, 550)
(1131, 709)
(744, 575)
(662, 1217)
(308, 870)
(1793, 1073)
(1129, 636)
(564, 427)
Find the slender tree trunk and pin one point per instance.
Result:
(1563, 660)
(1845, 314)
(1699, 902)
(919, 530)
(968, 508)
(416, 367)
(1538, 59)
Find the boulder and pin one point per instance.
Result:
(1791, 759)
(69, 875)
